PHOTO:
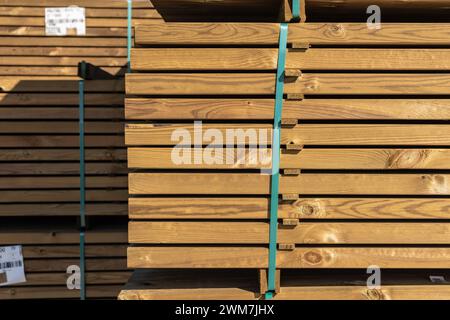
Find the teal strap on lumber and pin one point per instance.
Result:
(82, 71)
(82, 267)
(296, 10)
(129, 33)
(275, 178)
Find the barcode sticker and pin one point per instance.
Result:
(11, 266)
(62, 21)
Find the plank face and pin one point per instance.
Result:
(304, 208)
(313, 33)
(311, 184)
(256, 257)
(197, 59)
(304, 134)
(308, 83)
(308, 109)
(305, 233)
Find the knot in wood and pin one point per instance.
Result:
(308, 209)
(375, 294)
(312, 85)
(405, 159)
(313, 257)
(336, 30)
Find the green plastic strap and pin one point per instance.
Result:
(275, 178)
(82, 267)
(296, 10)
(129, 33)
(82, 178)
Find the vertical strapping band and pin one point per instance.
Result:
(275, 178)
(82, 178)
(296, 10)
(129, 33)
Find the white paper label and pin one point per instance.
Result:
(11, 266)
(438, 279)
(64, 21)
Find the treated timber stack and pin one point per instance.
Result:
(364, 153)
(39, 169)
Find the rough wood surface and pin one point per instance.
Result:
(264, 83)
(311, 109)
(256, 257)
(304, 134)
(306, 184)
(202, 232)
(323, 159)
(313, 33)
(152, 59)
(303, 208)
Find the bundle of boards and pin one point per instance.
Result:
(364, 158)
(39, 141)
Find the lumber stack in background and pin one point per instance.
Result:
(39, 140)
(51, 245)
(364, 147)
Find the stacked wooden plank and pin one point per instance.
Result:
(364, 154)
(222, 284)
(39, 140)
(49, 248)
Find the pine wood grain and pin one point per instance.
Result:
(303, 208)
(345, 158)
(313, 33)
(152, 59)
(368, 134)
(187, 232)
(324, 109)
(264, 83)
(256, 257)
(304, 134)
(306, 184)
